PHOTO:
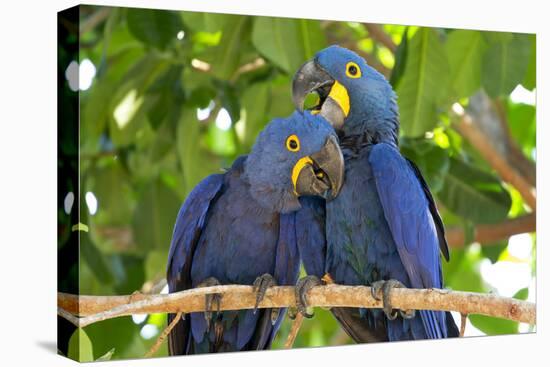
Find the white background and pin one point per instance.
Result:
(28, 182)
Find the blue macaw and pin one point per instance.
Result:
(239, 228)
(383, 229)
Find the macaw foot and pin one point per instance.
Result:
(292, 313)
(260, 287)
(209, 299)
(385, 287)
(303, 286)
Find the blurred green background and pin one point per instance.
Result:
(168, 97)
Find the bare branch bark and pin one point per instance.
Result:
(379, 35)
(468, 128)
(491, 233)
(163, 336)
(463, 318)
(515, 156)
(94, 20)
(238, 297)
(296, 325)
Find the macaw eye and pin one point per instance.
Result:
(353, 70)
(293, 143)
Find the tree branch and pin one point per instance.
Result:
(163, 336)
(239, 297)
(515, 156)
(491, 233)
(94, 20)
(379, 35)
(296, 325)
(469, 128)
(509, 162)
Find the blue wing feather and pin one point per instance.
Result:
(187, 230)
(407, 211)
(287, 261)
(310, 233)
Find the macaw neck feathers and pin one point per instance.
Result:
(357, 142)
(269, 194)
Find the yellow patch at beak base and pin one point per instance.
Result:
(302, 162)
(339, 94)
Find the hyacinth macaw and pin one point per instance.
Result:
(239, 228)
(384, 229)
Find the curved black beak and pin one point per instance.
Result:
(333, 98)
(322, 173)
(308, 79)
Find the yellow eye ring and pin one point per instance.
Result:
(353, 70)
(293, 143)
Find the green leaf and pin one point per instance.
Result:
(80, 347)
(94, 116)
(117, 334)
(129, 273)
(530, 81)
(495, 37)
(107, 356)
(204, 22)
(163, 142)
(493, 326)
(465, 51)
(493, 250)
(168, 93)
(400, 59)
(424, 83)
(157, 319)
(95, 259)
(111, 187)
(255, 101)
(288, 43)
(229, 97)
(196, 160)
(505, 64)
(155, 264)
(153, 27)
(220, 142)
(474, 194)
(461, 273)
(523, 126)
(522, 294)
(129, 104)
(154, 217)
(226, 57)
(280, 91)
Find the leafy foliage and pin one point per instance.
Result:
(424, 83)
(465, 51)
(151, 129)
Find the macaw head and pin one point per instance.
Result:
(293, 157)
(353, 97)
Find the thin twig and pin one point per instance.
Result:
(163, 336)
(463, 318)
(296, 325)
(515, 156)
(68, 316)
(486, 234)
(379, 35)
(468, 128)
(249, 67)
(94, 20)
(240, 297)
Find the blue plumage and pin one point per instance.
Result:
(384, 224)
(240, 225)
